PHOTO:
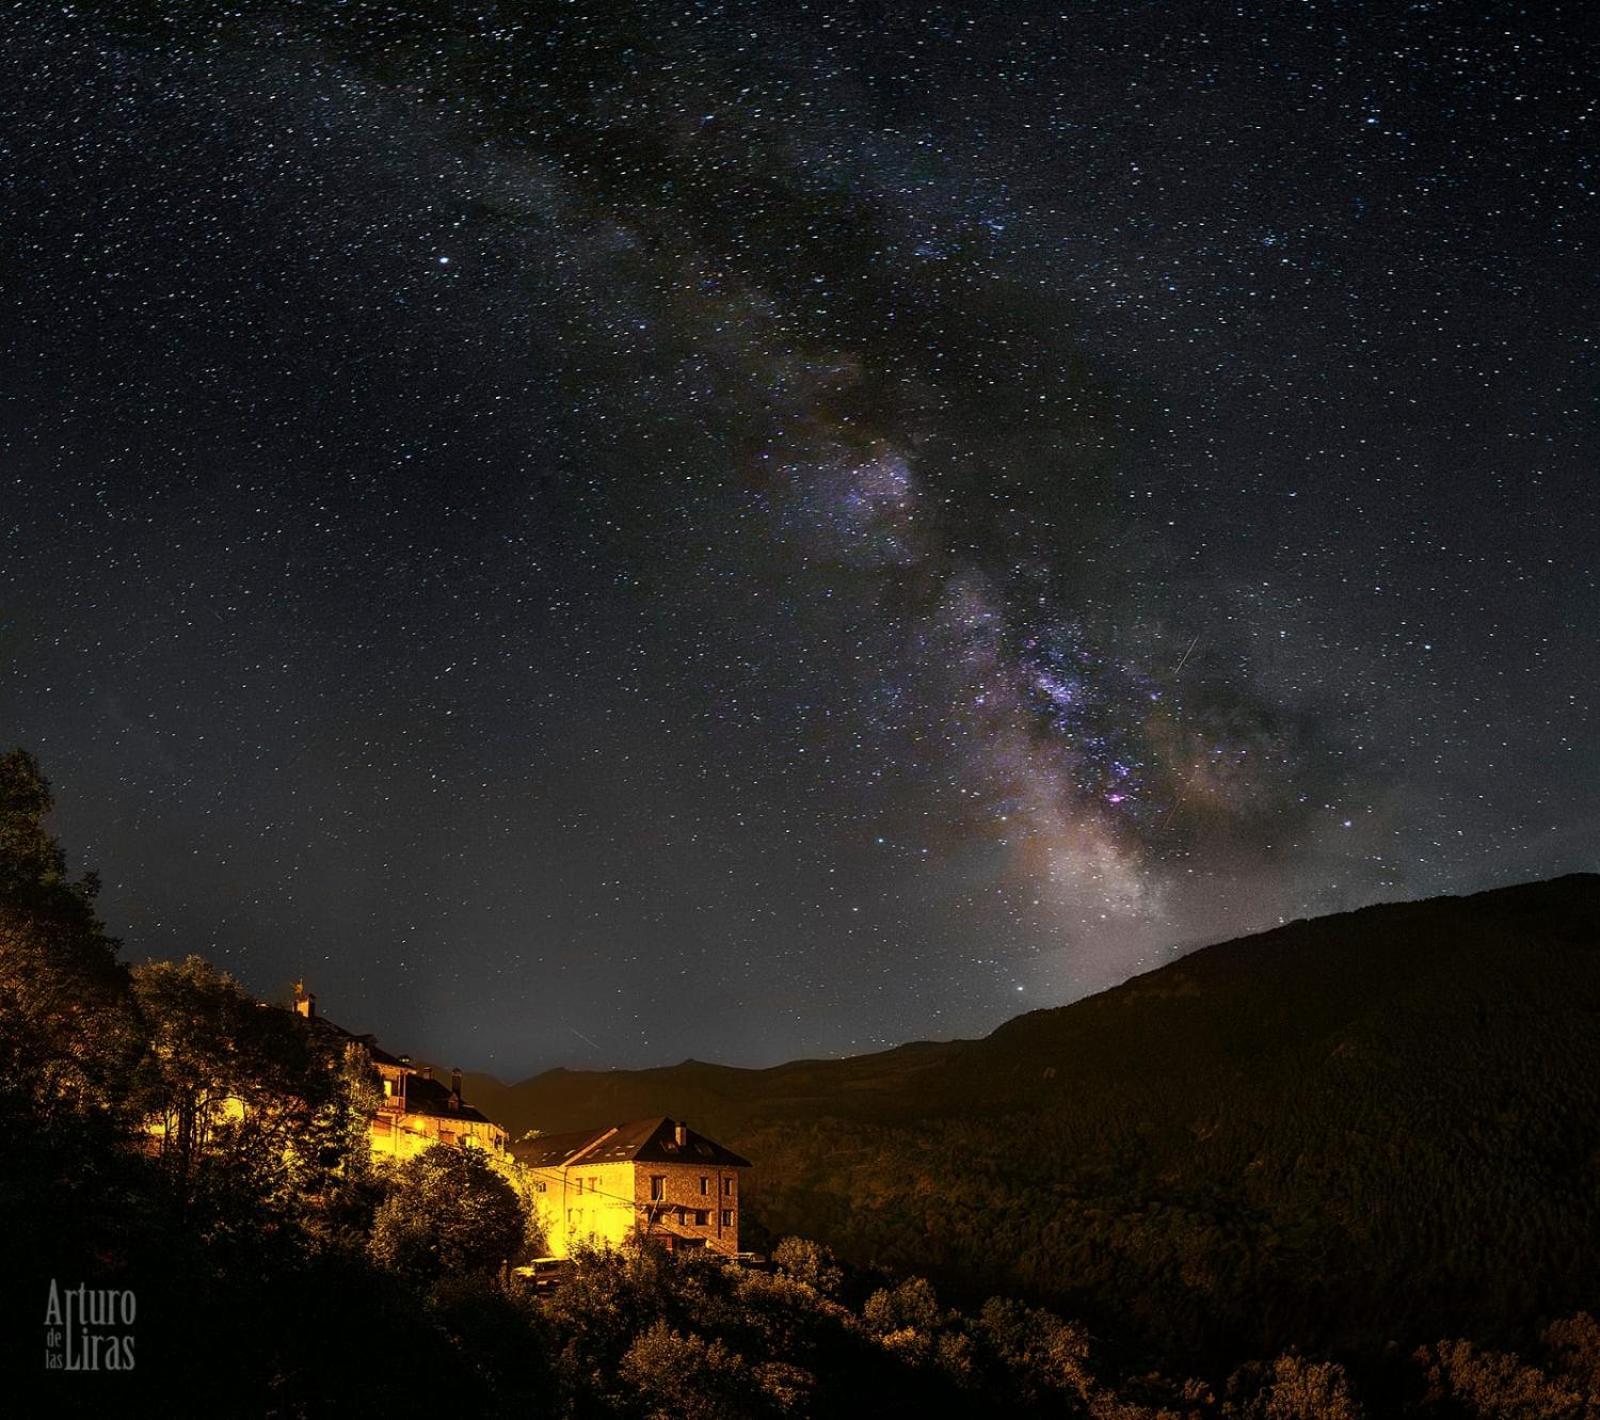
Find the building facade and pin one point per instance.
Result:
(651, 1178)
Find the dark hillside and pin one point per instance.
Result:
(1379, 1125)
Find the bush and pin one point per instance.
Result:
(1292, 1388)
(1461, 1380)
(685, 1377)
(811, 1263)
(447, 1212)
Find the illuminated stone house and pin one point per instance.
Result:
(416, 1111)
(654, 1177)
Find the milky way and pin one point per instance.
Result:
(604, 535)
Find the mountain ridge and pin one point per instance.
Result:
(1351, 1130)
(1135, 987)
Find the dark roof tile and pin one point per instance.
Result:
(651, 1141)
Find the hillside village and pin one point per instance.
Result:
(588, 1189)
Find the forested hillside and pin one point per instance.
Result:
(1361, 1129)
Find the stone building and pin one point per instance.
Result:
(653, 1177)
(416, 1111)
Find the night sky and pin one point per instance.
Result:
(604, 534)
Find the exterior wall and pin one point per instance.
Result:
(585, 1205)
(404, 1136)
(680, 1189)
(598, 1205)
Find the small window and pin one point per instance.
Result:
(701, 1217)
(727, 1184)
(705, 1184)
(594, 1185)
(658, 1187)
(678, 1217)
(538, 1188)
(727, 1217)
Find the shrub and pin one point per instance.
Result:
(811, 1263)
(447, 1212)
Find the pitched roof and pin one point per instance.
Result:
(424, 1095)
(552, 1150)
(645, 1141)
(379, 1055)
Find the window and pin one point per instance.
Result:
(701, 1217)
(727, 1217)
(538, 1188)
(727, 1184)
(678, 1216)
(594, 1185)
(705, 1184)
(658, 1187)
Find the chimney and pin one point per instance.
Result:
(305, 1004)
(455, 1089)
(680, 1132)
(426, 1072)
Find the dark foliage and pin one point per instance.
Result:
(67, 1025)
(1307, 1151)
(1371, 1128)
(447, 1213)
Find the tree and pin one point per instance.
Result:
(1462, 1380)
(1292, 1388)
(1572, 1345)
(910, 1306)
(240, 1096)
(448, 1212)
(681, 1376)
(67, 1030)
(811, 1263)
(1042, 1354)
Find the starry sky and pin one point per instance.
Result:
(602, 533)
